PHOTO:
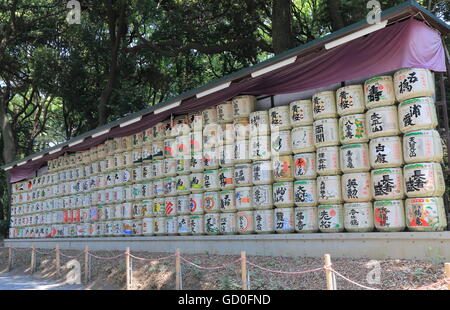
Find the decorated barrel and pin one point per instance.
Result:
(302, 139)
(389, 215)
(283, 194)
(283, 168)
(264, 221)
(243, 106)
(158, 149)
(423, 180)
(211, 180)
(211, 159)
(159, 207)
(305, 219)
(259, 123)
(245, 222)
(197, 224)
(147, 207)
(226, 155)
(241, 129)
(228, 224)
(356, 187)
(327, 160)
(324, 105)
(226, 178)
(352, 129)
(183, 205)
(170, 167)
(212, 223)
(331, 218)
(262, 197)
(180, 126)
(169, 186)
(158, 187)
(209, 116)
(386, 152)
(182, 147)
(326, 132)
(157, 168)
(211, 137)
(387, 184)
(350, 100)
(182, 184)
(305, 193)
(243, 198)
(195, 120)
(184, 165)
(243, 175)
(147, 226)
(160, 226)
(184, 225)
(329, 189)
(281, 143)
(260, 147)
(301, 113)
(226, 134)
(379, 91)
(358, 217)
(224, 112)
(382, 122)
(227, 201)
(171, 225)
(211, 202)
(354, 158)
(422, 146)
(242, 152)
(279, 118)
(196, 203)
(412, 83)
(196, 138)
(284, 220)
(305, 166)
(171, 206)
(425, 214)
(417, 114)
(196, 163)
(196, 182)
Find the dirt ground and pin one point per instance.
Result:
(152, 274)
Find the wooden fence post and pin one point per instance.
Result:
(128, 267)
(329, 273)
(86, 265)
(244, 270)
(58, 261)
(10, 258)
(33, 258)
(177, 270)
(447, 274)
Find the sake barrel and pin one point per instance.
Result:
(241, 129)
(147, 208)
(324, 105)
(386, 152)
(422, 146)
(387, 184)
(358, 217)
(302, 139)
(228, 223)
(197, 224)
(211, 136)
(423, 180)
(283, 194)
(305, 193)
(260, 147)
(301, 113)
(262, 197)
(209, 116)
(259, 123)
(283, 168)
(211, 159)
(226, 178)
(328, 160)
(182, 184)
(226, 134)
(417, 114)
(158, 149)
(170, 167)
(329, 189)
(242, 152)
(226, 155)
(305, 166)
(172, 225)
(244, 198)
(169, 147)
(127, 228)
(262, 172)
(356, 187)
(196, 201)
(148, 136)
(224, 112)
(264, 221)
(211, 180)
(245, 222)
(305, 219)
(279, 118)
(160, 226)
(147, 190)
(243, 175)
(157, 170)
(227, 201)
(171, 206)
(182, 147)
(284, 220)
(196, 138)
(212, 223)
(196, 181)
(158, 188)
(184, 165)
(382, 122)
(196, 121)
(352, 129)
(136, 174)
(147, 226)
(326, 132)
(159, 207)
(196, 163)
(425, 214)
(184, 227)
(412, 83)
(379, 91)
(127, 210)
(137, 227)
(136, 210)
(281, 143)
(350, 100)
(183, 205)
(389, 215)
(137, 191)
(354, 158)
(243, 106)
(331, 218)
(170, 187)
(211, 202)
(180, 126)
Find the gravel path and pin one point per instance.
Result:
(22, 282)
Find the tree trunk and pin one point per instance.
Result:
(282, 38)
(337, 21)
(9, 144)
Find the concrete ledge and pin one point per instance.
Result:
(402, 245)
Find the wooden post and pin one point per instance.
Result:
(128, 267)
(328, 273)
(447, 274)
(244, 270)
(86, 264)
(10, 258)
(33, 258)
(177, 270)
(58, 261)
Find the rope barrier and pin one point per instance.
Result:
(284, 272)
(44, 253)
(106, 258)
(67, 256)
(152, 259)
(351, 281)
(211, 268)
